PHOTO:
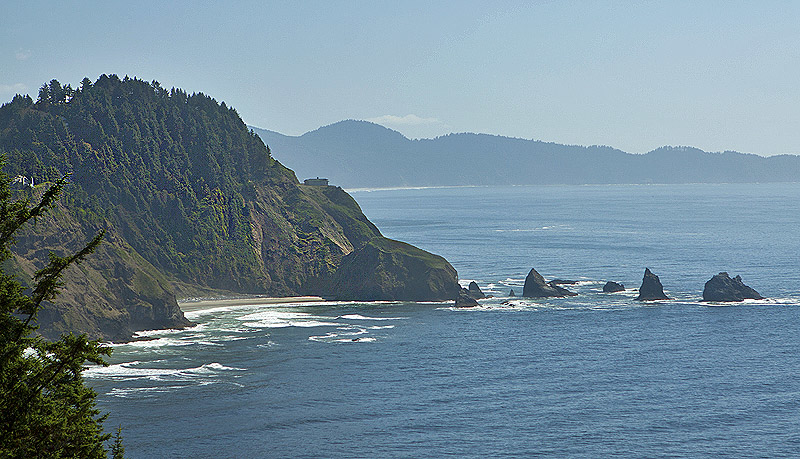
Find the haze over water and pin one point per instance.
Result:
(596, 375)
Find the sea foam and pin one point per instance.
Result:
(360, 317)
(132, 370)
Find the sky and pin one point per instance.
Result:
(632, 75)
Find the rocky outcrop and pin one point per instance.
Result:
(464, 300)
(651, 288)
(721, 288)
(536, 287)
(511, 293)
(475, 291)
(563, 282)
(385, 269)
(612, 287)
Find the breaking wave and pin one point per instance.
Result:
(134, 370)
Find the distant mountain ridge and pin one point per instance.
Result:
(356, 154)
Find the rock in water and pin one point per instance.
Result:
(465, 301)
(536, 287)
(385, 269)
(612, 287)
(475, 291)
(651, 288)
(511, 293)
(722, 288)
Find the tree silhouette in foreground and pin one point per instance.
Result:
(45, 408)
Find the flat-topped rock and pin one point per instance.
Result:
(722, 288)
(612, 287)
(562, 282)
(651, 288)
(537, 287)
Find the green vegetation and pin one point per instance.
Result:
(168, 169)
(117, 448)
(190, 197)
(45, 409)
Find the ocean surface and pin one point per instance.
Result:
(593, 376)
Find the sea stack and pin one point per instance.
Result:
(475, 291)
(612, 287)
(464, 300)
(722, 288)
(651, 288)
(511, 293)
(536, 287)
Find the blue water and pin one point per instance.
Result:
(596, 375)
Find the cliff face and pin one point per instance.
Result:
(189, 197)
(110, 295)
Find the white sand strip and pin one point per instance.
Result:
(189, 306)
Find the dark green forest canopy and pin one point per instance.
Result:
(170, 170)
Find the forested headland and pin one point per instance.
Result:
(193, 204)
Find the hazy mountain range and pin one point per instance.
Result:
(356, 154)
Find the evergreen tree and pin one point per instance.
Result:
(44, 94)
(117, 448)
(45, 408)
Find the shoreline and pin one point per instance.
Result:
(211, 303)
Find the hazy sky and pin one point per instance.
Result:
(633, 75)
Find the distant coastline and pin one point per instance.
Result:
(359, 154)
(549, 185)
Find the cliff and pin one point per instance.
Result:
(94, 289)
(190, 197)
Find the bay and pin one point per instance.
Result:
(596, 375)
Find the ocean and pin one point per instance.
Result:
(596, 375)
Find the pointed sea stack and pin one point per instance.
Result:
(612, 287)
(536, 287)
(651, 288)
(721, 288)
(475, 291)
(511, 293)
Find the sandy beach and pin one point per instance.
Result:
(189, 306)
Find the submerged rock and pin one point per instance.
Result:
(536, 287)
(465, 301)
(562, 282)
(722, 288)
(475, 291)
(612, 287)
(651, 288)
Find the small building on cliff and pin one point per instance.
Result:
(316, 181)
